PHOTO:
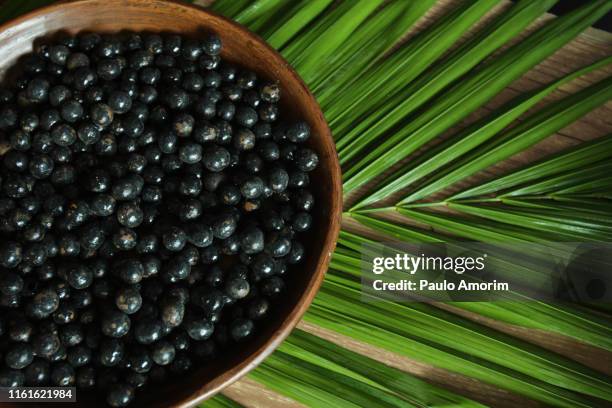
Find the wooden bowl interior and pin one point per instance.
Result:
(247, 50)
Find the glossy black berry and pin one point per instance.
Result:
(11, 378)
(127, 188)
(103, 205)
(109, 69)
(120, 102)
(129, 215)
(115, 324)
(252, 240)
(111, 352)
(63, 375)
(83, 78)
(130, 270)
(10, 283)
(128, 300)
(71, 111)
(163, 353)
(253, 187)
(37, 90)
(101, 114)
(80, 277)
(302, 222)
(190, 153)
(241, 329)
(64, 135)
(19, 356)
(306, 159)
(46, 344)
(176, 98)
(43, 304)
(37, 373)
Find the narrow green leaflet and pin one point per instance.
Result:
(305, 12)
(567, 161)
(472, 92)
(310, 57)
(573, 229)
(352, 241)
(322, 384)
(386, 78)
(220, 401)
(401, 233)
(464, 228)
(583, 208)
(601, 185)
(572, 321)
(430, 335)
(318, 351)
(535, 128)
(366, 43)
(573, 180)
(257, 9)
(229, 8)
(442, 73)
(475, 135)
(365, 47)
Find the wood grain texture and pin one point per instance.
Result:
(246, 50)
(253, 394)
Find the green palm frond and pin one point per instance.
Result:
(474, 137)
(573, 321)
(545, 176)
(444, 340)
(439, 75)
(220, 401)
(317, 372)
(534, 129)
(381, 110)
(472, 92)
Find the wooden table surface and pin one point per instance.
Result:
(590, 46)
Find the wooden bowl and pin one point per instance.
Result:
(248, 50)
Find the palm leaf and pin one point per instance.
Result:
(472, 92)
(471, 138)
(566, 162)
(438, 76)
(577, 228)
(300, 17)
(447, 341)
(316, 372)
(220, 401)
(384, 80)
(569, 320)
(534, 129)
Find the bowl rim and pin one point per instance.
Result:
(294, 316)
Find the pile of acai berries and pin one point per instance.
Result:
(151, 204)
